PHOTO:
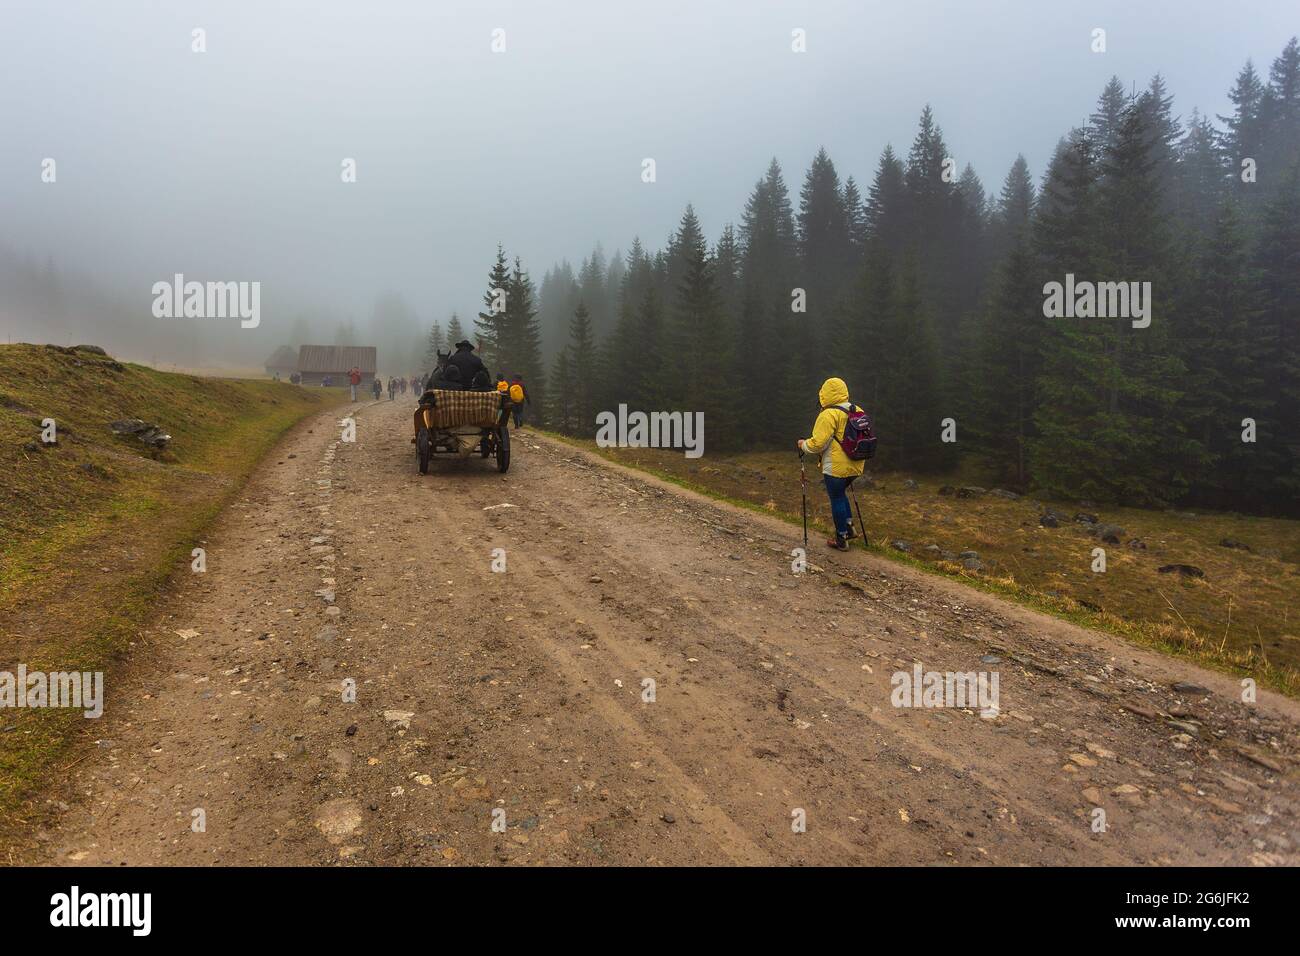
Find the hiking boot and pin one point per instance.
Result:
(838, 543)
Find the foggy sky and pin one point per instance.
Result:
(225, 165)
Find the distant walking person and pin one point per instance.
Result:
(354, 379)
(519, 397)
(377, 388)
(838, 469)
(392, 388)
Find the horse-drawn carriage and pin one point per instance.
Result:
(461, 422)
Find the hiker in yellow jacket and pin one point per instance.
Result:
(518, 396)
(838, 469)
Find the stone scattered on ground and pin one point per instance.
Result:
(152, 435)
(1186, 570)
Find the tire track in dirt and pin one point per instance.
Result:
(906, 788)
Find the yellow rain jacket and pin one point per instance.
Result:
(829, 428)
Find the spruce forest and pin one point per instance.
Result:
(925, 292)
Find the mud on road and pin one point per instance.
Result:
(518, 697)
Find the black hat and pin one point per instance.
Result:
(463, 344)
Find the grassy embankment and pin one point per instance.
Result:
(1241, 617)
(93, 529)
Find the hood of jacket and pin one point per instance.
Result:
(833, 392)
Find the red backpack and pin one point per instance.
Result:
(859, 441)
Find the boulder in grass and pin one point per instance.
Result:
(947, 490)
(900, 545)
(1048, 519)
(1003, 493)
(970, 491)
(1110, 533)
(150, 434)
(1234, 543)
(1186, 570)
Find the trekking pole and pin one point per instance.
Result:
(861, 524)
(803, 487)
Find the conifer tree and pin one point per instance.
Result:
(1103, 125)
(766, 376)
(1201, 183)
(580, 389)
(559, 406)
(824, 244)
(1225, 359)
(436, 343)
(1070, 409)
(1279, 116)
(886, 209)
(1008, 363)
(490, 325)
(1278, 329)
(455, 333)
(910, 408)
(1245, 132)
(520, 348)
(856, 211)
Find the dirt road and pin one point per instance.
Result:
(518, 697)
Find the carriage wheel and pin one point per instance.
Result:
(422, 446)
(503, 449)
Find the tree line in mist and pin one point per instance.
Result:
(927, 295)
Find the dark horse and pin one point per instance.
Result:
(444, 374)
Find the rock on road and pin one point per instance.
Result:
(502, 716)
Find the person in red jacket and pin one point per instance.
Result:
(354, 379)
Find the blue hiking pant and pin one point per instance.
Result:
(836, 490)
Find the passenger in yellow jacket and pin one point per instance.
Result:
(838, 469)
